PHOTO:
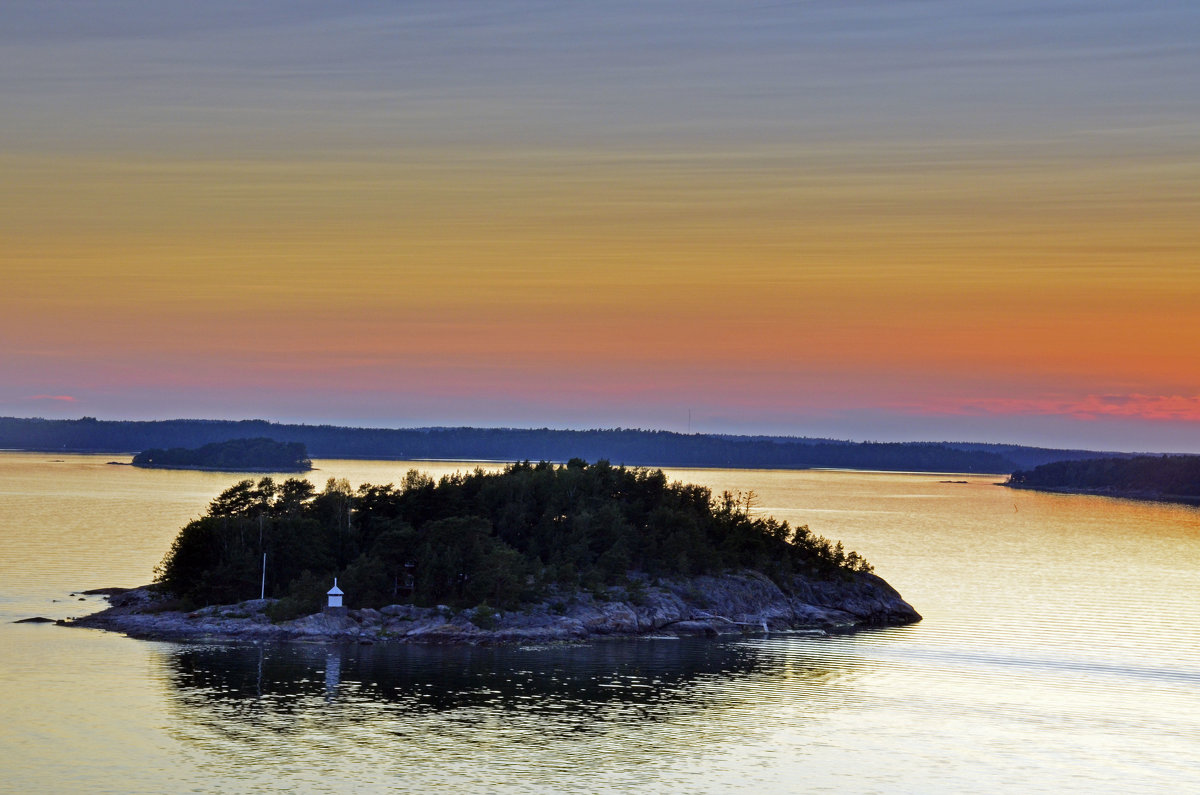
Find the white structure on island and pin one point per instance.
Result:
(335, 595)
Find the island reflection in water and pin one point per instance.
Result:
(564, 687)
(415, 699)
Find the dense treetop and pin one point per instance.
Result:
(1166, 477)
(496, 537)
(235, 455)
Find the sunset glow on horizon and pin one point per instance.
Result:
(928, 221)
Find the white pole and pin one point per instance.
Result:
(263, 594)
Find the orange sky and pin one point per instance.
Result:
(858, 281)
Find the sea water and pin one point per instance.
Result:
(1060, 651)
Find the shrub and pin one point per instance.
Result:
(485, 617)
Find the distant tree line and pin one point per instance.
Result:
(498, 538)
(1172, 477)
(629, 446)
(235, 455)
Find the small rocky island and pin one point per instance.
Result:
(534, 553)
(235, 455)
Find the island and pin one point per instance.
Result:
(234, 455)
(1165, 478)
(533, 553)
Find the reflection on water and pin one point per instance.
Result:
(562, 690)
(685, 715)
(615, 714)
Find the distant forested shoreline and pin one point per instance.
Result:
(633, 447)
(1167, 478)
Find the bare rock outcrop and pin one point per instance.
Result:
(720, 604)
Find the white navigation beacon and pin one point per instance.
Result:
(335, 595)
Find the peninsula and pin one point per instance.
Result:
(1166, 478)
(536, 552)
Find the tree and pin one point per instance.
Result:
(483, 536)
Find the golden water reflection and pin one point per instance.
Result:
(618, 706)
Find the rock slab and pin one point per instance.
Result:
(741, 602)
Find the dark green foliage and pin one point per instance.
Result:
(366, 583)
(235, 455)
(305, 596)
(484, 617)
(1165, 477)
(478, 537)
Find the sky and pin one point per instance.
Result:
(881, 220)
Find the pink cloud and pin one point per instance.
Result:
(1165, 408)
(64, 398)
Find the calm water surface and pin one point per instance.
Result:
(1060, 651)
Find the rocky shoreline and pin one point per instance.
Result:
(745, 602)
